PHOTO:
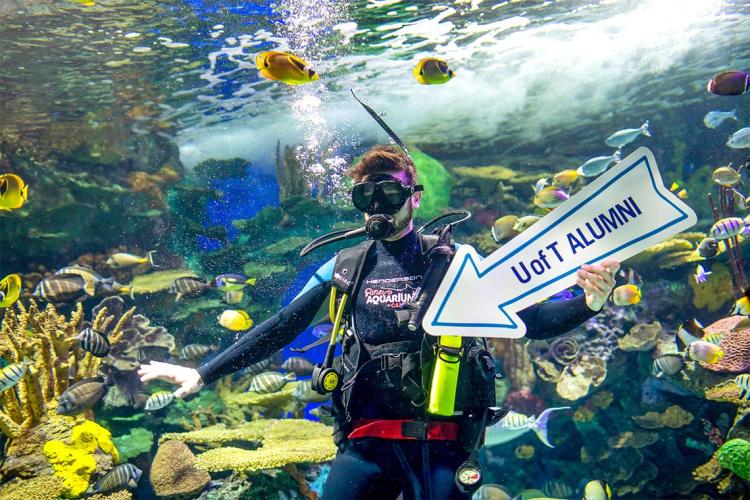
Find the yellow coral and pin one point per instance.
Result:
(282, 442)
(48, 486)
(583, 414)
(525, 452)
(673, 417)
(715, 293)
(74, 462)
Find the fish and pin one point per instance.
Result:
(194, 352)
(743, 381)
(188, 286)
(726, 228)
(122, 260)
(626, 295)
(324, 413)
(158, 400)
(742, 305)
(667, 364)
(740, 139)
(714, 338)
(704, 352)
(701, 275)
(539, 185)
(565, 178)
(233, 296)
(267, 382)
(690, 331)
(515, 424)
(120, 477)
(10, 290)
(93, 342)
(743, 324)
(492, 492)
(726, 176)
(299, 365)
(84, 272)
(304, 392)
(597, 489)
(100, 283)
(322, 329)
(554, 488)
(13, 373)
(597, 165)
(64, 288)
(285, 67)
(235, 320)
(626, 136)
(13, 192)
(232, 282)
(81, 396)
(257, 368)
(731, 82)
(714, 119)
(550, 197)
(502, 229)
(708, 247)
(432, 71)
(525, 222)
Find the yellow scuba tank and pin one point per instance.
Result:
(445, 376)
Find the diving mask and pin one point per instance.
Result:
(385, 196)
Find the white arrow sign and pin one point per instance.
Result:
(624, 211)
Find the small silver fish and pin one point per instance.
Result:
(708, 247)
(597, 165)
(122, 476)
(93, 342)
(626, 136)
(740, 139)
(299, 365)
(158, 400)
(667, 364)
(268, 382)
(304, 392)
(714, 119)
(12, 374)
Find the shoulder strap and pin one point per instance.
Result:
(348, 266)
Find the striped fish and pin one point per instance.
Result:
(555, 488)
(233, 296)
(188, 287)
(714, 338)
(667, 364)
(81, 396)
(257, 368)
(64, 288)
(122, 476)
(93, 342)
(299, 365)
(268, 382)
(158, 400)
(304, 392)
(12, 374)
(195, 352)
(743, 381)
(727, 228)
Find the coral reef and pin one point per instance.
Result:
(676, 251)
(735, 344)
(45, 486)
(278, 442)
(88, 449)
(641, 337)
(716, 293)
(673, 417)
(138, 440)
(576, 380)
(173, 472)
(735, 456)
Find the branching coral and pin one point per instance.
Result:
(47, 338)
(281, 442)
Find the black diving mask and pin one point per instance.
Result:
(385, 196)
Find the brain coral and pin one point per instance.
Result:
(736, 346)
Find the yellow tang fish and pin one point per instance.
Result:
(235, 320)
(626, 295)
(285, 67)
(566, 177)
(10, 290)
(431, 71)
(13, 192)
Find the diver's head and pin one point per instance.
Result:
(386, 186)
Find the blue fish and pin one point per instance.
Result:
(322, 329)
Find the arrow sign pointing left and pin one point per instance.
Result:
(624, 211)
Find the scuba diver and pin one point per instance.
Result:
(388, 444)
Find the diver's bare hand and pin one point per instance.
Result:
(188, 379)
(597, 282)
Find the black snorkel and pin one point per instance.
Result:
(378, 226)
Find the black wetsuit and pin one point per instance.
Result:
(372, 467)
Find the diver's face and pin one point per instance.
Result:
(403, 218)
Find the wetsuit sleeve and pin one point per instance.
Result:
(273, 333)
(549, 319)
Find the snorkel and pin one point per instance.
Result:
(378, 226)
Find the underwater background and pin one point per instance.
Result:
(145, 126)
